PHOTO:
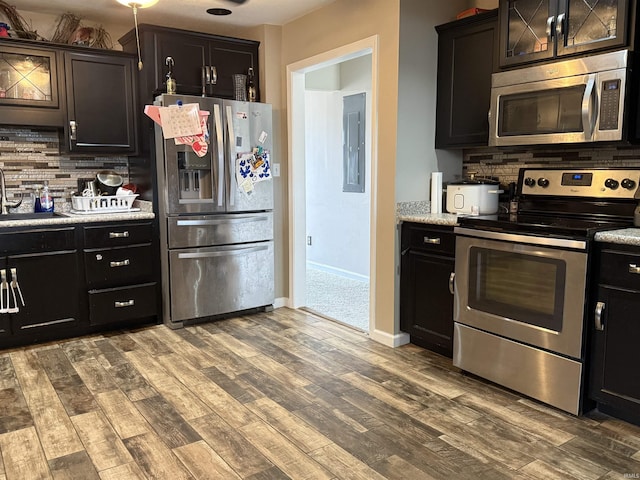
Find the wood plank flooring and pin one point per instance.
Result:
(281, 395)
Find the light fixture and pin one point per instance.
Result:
(135, 5)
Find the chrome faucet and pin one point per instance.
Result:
(4, 203)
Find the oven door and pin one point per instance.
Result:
(533, 294)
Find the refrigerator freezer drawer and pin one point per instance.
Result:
(217, 280)
(207, 230)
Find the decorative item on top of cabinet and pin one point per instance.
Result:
(29, 88)
(543, 29)
(101, 101)
(615, 333)
(467, 56)
(204, 63)
(426, 285)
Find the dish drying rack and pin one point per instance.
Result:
(103, 204)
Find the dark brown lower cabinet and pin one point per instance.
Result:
(615, 333)
(426, 299)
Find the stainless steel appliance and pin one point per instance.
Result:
(216, 219)
(589, 99)
(522, 281)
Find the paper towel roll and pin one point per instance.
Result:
(436, 192)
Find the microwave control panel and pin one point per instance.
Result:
(609, 104)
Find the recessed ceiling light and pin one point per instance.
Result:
(219, 11)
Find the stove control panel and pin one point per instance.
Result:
(597, 183)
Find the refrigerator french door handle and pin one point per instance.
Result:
(219, 179)
(232, 163)
(221, 221)
(225, 253)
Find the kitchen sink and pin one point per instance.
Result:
(29, 216)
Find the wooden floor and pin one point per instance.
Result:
(281, 395)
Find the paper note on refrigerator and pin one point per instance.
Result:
(180, 120)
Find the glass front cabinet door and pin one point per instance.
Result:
(29, 78)
(542, 29)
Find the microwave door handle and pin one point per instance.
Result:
(589, 108)
(220, 149)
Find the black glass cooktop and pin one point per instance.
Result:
(542, 225)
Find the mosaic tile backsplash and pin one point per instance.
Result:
(30, 156)
(505, 165)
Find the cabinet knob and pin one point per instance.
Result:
(598, 316)
(431, 241)
(633, 268)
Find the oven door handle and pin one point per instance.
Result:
(452, 278)
(589, 108)
(598, 316)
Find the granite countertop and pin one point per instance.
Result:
(145, 212)
(625, 236)
(420, 212)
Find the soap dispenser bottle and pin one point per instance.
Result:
(46, 200)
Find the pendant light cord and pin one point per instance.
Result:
(135, 21)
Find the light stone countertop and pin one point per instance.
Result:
(430, 218)
(68, 218)
(624, 236)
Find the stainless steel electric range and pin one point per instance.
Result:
(522, 281)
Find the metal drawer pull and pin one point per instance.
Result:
(633, 268)
(129, 303)
(598, 316)
(452, 277)
(124, 234)
(122, 263)
(431, 241)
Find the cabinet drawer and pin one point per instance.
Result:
(114, 305)
(118, 266)
(38, 240)
(434, 239)
(620, 269)
(116, 235)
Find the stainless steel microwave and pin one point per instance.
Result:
(571, 101)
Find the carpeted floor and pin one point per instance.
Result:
(340, 298)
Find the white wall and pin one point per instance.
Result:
(337, 221)
(416, 155)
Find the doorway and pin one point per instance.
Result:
(331, 218)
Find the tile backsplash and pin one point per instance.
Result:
(506, 164)
(30, 156)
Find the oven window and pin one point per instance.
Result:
(520, 287)
(547, 111)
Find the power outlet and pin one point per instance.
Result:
(276, 169)
(309, 240)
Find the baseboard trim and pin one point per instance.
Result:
(388, 339)
(338, 271)
(281, 302)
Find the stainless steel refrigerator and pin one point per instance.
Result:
(215, 208)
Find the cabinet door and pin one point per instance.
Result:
(466, 59)
(29, 92)
(232, 58)
(527, 32)
(104, 122)
(591, 24)
(614, 359)
(426, 304)
(190, 53)
(50, 287)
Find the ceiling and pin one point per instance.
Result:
(186, 14)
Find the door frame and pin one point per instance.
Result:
(296, 163)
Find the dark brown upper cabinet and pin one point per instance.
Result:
(467, 56)
(203, 64)
(533, 30)
(29, 88)
(101, 101)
